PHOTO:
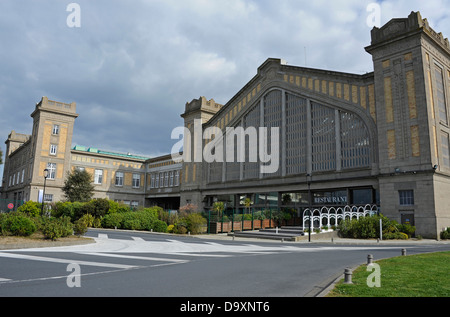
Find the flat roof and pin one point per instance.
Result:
(85, 149)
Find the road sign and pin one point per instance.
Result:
(10, 206)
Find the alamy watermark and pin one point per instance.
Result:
(255, 141)
(74, 278)
(374, 279)
(74, 18)
(374, 17)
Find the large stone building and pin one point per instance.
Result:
(380, 138)
(333, 140)
(48, 150)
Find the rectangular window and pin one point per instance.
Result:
(136, 180)
(166, 179)
(53, 149)
(98, 177)
(134, 204)
(445, 149)
(161, 180)
(51, 170)
(55, 130)
(152, 183)
(119, 179)
(48, 198)
(171, 179)
(177, 178)
(23, 176)
(156, 180)
(406, 197)
(440, 97)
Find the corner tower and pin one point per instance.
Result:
(412, 76)
(197, 112)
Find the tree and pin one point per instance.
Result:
(78, 186)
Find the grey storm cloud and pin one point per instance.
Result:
(132, 65)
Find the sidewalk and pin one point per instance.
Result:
(319, 240)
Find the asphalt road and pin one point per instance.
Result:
(131, 264)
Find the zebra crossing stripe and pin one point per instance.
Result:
(65, 261)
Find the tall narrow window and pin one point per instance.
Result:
(156, 180)
(136, 180)
(119, 179)
(51, 170)
(406, 197)
(55, 130)
(53, 149)
(152, 183)
(445, 149)
(166, 179)
(177, 178)
(98, 177)
(171, 179)
(440, 95)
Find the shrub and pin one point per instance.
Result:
(30, 208)
(89, 219)
(195, 222)
(159, 226)
(170, 228)
(132, 224)
(112, 220)
(445, 234)
(52, 229)
(18, 224)
(407, 229)
(66, 226)
(80, 227)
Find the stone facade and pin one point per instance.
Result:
(120, 177)
(382, 138)
(379, 138)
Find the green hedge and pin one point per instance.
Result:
(17, 224)
(369, 228)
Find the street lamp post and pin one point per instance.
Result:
(310, 206)
(43, 194)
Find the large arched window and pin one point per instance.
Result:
(313, 137)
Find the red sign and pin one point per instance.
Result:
(10, 206)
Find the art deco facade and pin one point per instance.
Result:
(379, 139)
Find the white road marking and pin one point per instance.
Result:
(102, 236)
(138, 239)
(65, 261)
(146, 258)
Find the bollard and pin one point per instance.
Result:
(369, 259)
(403, 252)
(348, 276)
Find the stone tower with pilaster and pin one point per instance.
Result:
(197, 112)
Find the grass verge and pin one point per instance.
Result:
(421, 275)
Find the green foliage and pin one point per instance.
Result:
(54, 228)
(78, 186)
(112, 220)
(80, 227)
(445, 234)
(17, 224)
(30, 208)
(194, 223)
(369, 228)
(159, 226)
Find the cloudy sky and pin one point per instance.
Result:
(132, 65)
